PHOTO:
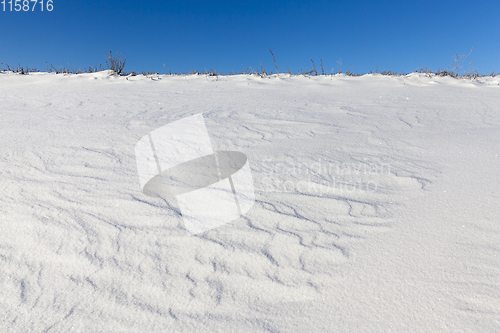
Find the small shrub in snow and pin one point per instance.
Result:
(116, 63)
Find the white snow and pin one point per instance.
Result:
(377, 206)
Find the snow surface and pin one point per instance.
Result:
(377, 206)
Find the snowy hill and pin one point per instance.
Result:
(376, 206)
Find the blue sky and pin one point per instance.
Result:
(234, 35)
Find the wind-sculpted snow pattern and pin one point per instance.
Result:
(376, 206)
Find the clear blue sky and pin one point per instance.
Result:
(233, 35)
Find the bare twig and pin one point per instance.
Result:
(275, 64)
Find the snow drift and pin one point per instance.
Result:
(376, 206)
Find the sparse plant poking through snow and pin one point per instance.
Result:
(262, 71)
(459, 59)
(313, 70)
(275, 64)
(471, 74)
(350, 73)
(116, 63)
